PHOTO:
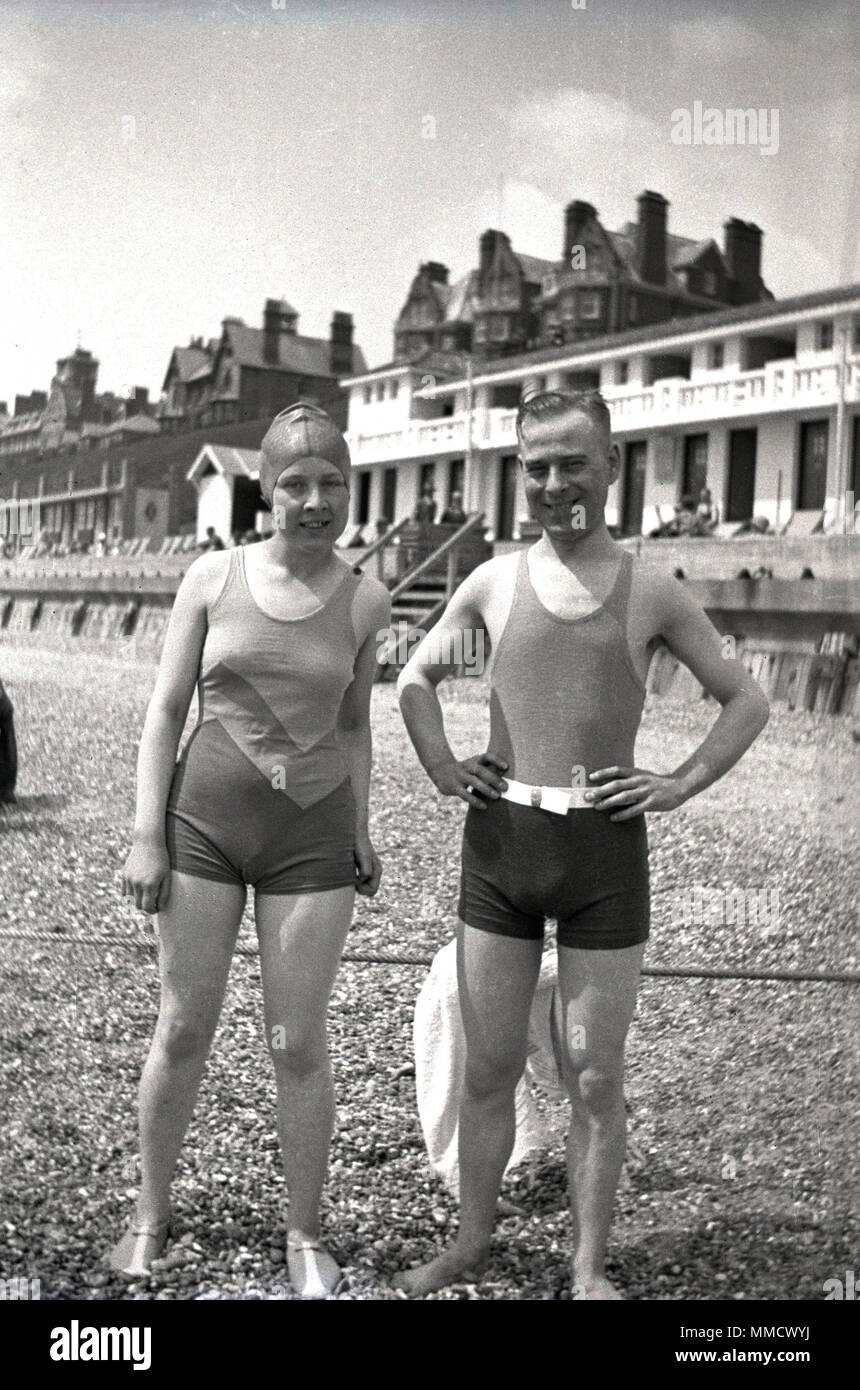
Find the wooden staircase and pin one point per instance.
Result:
(435, 559)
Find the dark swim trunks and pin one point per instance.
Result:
(226, 823)
(522, 865)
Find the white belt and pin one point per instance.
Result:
(558, 799)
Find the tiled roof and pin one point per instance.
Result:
(692, 253)
(135, 424)
(304, 356)
(189, 360)
(534, 268)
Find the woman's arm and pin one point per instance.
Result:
(146, 874)
(355, 736)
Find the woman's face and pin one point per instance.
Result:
(310, 502)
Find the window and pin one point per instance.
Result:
(812, 472)
(824, 336)
(709, 282)
(589, 305)
(567, 306)
(368, 395)
(633, 309)
(393, 388)
(622, 372)
(380, 391)
(856, 337)
(362, 511)
(499, 330)
(716, 356)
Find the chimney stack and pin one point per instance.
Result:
(340, 344)
(436, 271)
(651, 237)
(487, 245)
(576, 215)
(279, 318)
(743, 259)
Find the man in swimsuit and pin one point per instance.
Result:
(555, 826)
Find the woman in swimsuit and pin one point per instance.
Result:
(271, 790)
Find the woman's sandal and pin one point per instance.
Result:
(134, 1252)
(314, 1273)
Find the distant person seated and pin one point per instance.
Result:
(8, 751)
(425, 510)
(756, 526)
(453, 514)
(707, 515)
(213, 541)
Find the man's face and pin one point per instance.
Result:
(568, 465)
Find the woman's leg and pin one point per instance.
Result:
(197, 936)
(301, 940)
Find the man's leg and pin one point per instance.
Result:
(598, 995)
(497, 977)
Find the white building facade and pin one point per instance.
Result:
(760, 403)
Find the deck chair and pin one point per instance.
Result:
(805, 523)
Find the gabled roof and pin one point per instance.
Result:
(241, 463)
(186, 361)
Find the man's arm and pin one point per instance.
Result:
(431, 661)
(691, 636)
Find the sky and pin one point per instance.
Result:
(165, 165)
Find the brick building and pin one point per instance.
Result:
(604, 282)
(250, 373)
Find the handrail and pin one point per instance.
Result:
(382, 541)
(434, 556)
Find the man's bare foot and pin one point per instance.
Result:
(597, 1289)
(452, 1267)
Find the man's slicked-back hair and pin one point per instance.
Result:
(546, 405)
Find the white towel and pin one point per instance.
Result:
(440, 1059)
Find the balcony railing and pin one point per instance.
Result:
(780, 385)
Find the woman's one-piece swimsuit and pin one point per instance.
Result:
(262, 793)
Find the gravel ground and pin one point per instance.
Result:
(742, 1171)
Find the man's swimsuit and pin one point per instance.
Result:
(564, 695)
(262, 793)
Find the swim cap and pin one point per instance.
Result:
(301, 431)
